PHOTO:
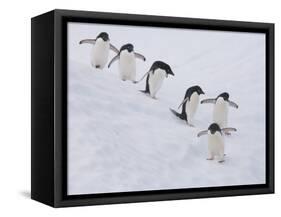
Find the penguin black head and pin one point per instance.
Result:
(214, 127)
(128, 47)
(104, 36)
(162, 65)
(193, 89)
(169, 71)
(224, 95)
(197, 89)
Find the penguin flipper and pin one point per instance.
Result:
(88, 41)
(233, 104)
(208, 101)
(204, 132)
(113, 59)
(112, 47)
(140, 56)
(146, 91)
(141, 78)
(146, 84)
(227, 130)
(177, 114)
(184, 101)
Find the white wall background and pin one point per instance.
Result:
(15, 106)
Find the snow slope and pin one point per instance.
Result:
(121, 140)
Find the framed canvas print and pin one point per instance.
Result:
(133, 108)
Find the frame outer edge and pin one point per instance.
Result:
(42, 95)
(59, 201)
(57, 110)
(272, 107)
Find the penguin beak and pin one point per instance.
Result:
(171, 73)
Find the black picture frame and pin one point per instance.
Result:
(49, 108)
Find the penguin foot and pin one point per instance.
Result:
(221, 161)
(144, 91)
(97, 66)
(210, 158)
(188, 123)
(191, 125)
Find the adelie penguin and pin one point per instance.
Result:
(155, 77)
(220, 112)
(189, 104)
(127, 62)
(216, 141)
(100, 49)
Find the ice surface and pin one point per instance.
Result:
(121, 140)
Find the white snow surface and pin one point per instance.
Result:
(121, 140)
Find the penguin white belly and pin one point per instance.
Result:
(191, 106)
(127, 66)
(216, 146)
(220, 113)
(155, 81)
(100, 53)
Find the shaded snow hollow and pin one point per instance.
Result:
(122, 140)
